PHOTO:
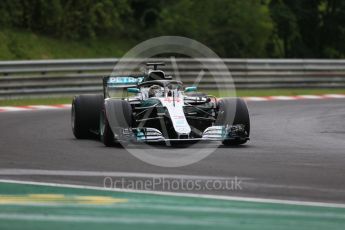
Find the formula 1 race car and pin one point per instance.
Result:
(152, 107)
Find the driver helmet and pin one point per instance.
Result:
(154, 90)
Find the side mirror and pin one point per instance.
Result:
(190, 89)
(133, 90)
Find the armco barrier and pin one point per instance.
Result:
(69, 77)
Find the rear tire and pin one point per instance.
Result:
(85, 115)
(228, 116)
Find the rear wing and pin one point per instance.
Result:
(120, 82)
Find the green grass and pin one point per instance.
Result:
(24, 45)
(239, 93)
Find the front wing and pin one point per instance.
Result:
(152, 135)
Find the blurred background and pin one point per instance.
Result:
(271, 47)
(287, 60)
(41, 29)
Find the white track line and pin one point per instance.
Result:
(41, 172)
(282, 98)
(256, 99)
(116, 175)
(33, 108)
(205, 196)
(13, 109)
(171, 220)
(310, 97)
(106, 219)
(334, 95)
(268, 98)
(43, 107)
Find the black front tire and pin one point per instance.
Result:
(105, 132)
(228, 116)
(116, 113)
(85, 115)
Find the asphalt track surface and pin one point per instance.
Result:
(296, 152)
